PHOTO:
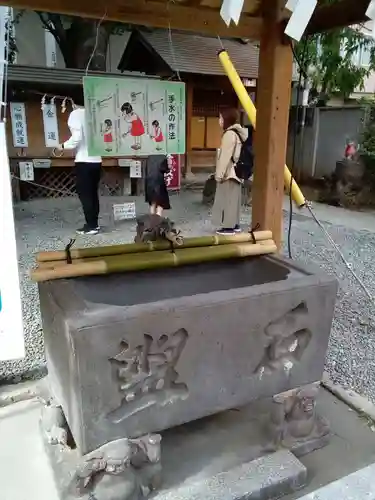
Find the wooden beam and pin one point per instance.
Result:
(193, 3)
(270, 138)
(338, 15)
(157, 14)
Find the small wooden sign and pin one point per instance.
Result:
(124, 211)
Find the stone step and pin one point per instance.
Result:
(266, 478)
(357, 486)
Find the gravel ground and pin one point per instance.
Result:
(48, 224)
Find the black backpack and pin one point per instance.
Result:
(244, 165)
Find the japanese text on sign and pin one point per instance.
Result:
(124, 211)
(136, 169)
(129, 117)
(172, 116)
(26, 170)
(51, 129)
(173, 177)
(19, 126)
(50, 49)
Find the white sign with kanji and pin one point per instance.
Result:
(136, 170)
(124, 211)
(50, 49)
(26, 170)
(51, 127)
(19, 125)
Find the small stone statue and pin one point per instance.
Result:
(53, 425)
(115, 470)
(153, 227)
(294, 420)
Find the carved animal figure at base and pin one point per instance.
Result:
(54, 425)
(294, 418)
(125, 469)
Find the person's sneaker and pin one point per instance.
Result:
(87, 231)
(225, 232)
(237, 229)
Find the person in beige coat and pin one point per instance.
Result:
(227, 204)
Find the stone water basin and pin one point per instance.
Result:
(138, 353)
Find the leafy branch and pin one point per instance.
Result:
(333, 61)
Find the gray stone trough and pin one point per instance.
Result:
(132, 355)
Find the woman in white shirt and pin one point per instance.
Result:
(87, 170)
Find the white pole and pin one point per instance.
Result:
(11, 323)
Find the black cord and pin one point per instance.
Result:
(302, 73)
(67, 251)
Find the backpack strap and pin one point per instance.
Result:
(239, 137)
(237, 134)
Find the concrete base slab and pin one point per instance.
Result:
(25, 472)
(352, 447)
(227, 455)
(357, 486)
(266, 478)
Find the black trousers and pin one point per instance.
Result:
(87, 186)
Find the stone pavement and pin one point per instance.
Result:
(25, 473)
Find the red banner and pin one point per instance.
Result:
(173, 177)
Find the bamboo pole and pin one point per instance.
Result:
(132, 248)
(52, 264)
(157, 260)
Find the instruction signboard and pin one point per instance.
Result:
(134, 116)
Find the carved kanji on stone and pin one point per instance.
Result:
(286, 340)
(146, 374)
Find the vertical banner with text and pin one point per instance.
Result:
(173, 177)
(19, 124)
(51, 128)
(50, 47)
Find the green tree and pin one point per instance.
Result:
(83, 42)
(332, 64)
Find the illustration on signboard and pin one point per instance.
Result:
(157, 135)
(107, 134)
(134, 116)
(136, 128)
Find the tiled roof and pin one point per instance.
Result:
(189, 53)
(63, 76)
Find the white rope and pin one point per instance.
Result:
(339, 252)
(96, 41)
(170, 40)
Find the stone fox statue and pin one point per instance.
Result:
(153, 227)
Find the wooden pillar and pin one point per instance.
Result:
(270, 139)
(189, 115)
